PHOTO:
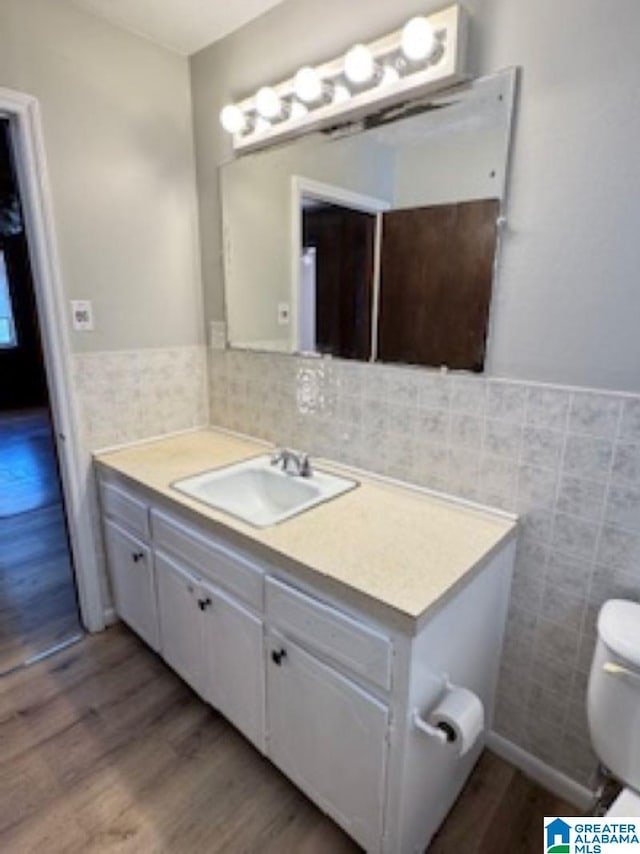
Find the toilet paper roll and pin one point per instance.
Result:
(460, 714)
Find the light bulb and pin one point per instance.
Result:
(359, 65)
(232, 118)
(268, 103)
(389, 75)
(298, 110)
(340, 94)
(308, 85)
(261, 125)
(418, 39)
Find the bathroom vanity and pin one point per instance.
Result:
(326, 639)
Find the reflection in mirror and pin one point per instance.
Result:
(336, 280)
(376, 244)
(339, 249)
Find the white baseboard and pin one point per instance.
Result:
(555, 781)
(111, 618)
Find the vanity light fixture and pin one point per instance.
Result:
(233, 119)
(340, 94)
(268, 103)
(298, 110)
(390, 74)
(419, 41)
(308, 85)
(425, 55)
(359, 65)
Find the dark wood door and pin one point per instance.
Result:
(435, 284)
(344, 242)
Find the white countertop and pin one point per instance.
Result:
(398, 549)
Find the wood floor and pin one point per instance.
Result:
(104, 749)
(38, 606)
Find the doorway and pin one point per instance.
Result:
(38, 601)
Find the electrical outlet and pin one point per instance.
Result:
(82, 315)
(284, 314)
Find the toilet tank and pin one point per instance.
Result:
(613, 700)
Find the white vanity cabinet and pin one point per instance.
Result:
(208, 636)
(214, 644)
(234, 661)
(130, 559)
(326, 729)
(329, 736)
(131, 565)
(179, 600)
(337, 698)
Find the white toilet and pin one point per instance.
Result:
(613, 700)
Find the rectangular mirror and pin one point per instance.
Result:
(375, 242)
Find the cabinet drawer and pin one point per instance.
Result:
(128, 511)
(233, 573)
(348, 642)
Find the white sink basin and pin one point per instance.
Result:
(260, 493)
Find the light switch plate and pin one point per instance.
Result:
(82, 315)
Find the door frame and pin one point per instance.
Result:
(25, 124)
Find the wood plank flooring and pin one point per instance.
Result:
(38, 606)
(104, 749)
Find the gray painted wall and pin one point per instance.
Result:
(566, 303)
(118, 138)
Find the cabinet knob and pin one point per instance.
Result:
(137, 556)
(277, 655)
(203, 604)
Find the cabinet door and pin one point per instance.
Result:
(132, 576)
(179, 608)
(234, 658)
(329, 736)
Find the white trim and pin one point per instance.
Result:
(110, 617)
(334, 195)
(555, 781)
(75, 463)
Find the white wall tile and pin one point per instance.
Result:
(541, 447)
(547, 407)
(587, 457)
(503, 438)
(506, 401)
(595, 414)
(125, 396)
(583, 498)
(626, 463)
(623, 507)
(630, 424)
(574, 537)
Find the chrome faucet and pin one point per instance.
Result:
(292, 462)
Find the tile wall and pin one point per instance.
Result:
(127, 395)
(567, 460)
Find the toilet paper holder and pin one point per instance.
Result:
(442, 734)
(455, 719)
(437, 732)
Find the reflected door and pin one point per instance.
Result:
(344, 244)
(436, 274)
